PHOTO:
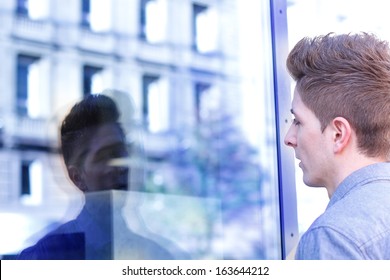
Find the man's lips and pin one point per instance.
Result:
(123, 187)
(299, 161)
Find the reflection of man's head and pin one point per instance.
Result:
(91, 137)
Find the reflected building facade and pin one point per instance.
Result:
(179, 62)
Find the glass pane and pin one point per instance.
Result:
(175, 159)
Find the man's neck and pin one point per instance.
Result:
(346, 167)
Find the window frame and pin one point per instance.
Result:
(147, 80)
(21, 8)
(23, 63)
(197, 9)
(88, 72)
(85, 20)
(199, 90)
(285, 155)
(143, 19)
(25, 183)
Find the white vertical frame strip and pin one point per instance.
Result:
(286, 171)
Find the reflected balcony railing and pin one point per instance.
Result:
(50, 31)
(37, 30)
(27, 130)
(96, 41)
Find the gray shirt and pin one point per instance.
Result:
(356, 222)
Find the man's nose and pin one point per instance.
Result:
(290, 138)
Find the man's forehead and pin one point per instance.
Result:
(107, 134)
(295, 102)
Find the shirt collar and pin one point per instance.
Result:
(362, 176)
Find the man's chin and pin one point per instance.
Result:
(312, 184)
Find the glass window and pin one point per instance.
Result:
(27, 86)
(201, 90)
(85, 13)
(100, 15)
(31, 182)
(34, 9)
(207, 98)
(21, 7)
(155, 103)
(153, 20)
(38, 9)
(25, 174)
(92, 79)
(96, 15)
(166, 151)
(143, 17)
(204, 28)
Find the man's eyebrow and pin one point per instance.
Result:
(119, 146)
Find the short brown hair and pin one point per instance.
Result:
(347, 76)
(79, 126)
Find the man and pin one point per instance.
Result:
(341, 136)
(92, 140)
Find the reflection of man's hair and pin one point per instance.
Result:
(78, 127)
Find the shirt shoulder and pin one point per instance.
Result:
(64, 246)
(357, 226)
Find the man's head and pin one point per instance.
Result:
(91, 138)
(341, 100)
(347, 76)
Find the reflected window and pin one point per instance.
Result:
(31, 182)
(34, 9)
(25, 175)
(92, 79)
(27, 85)
(85, 13)
(153, 20)
(155, 108)
(143, 17)
(207, 101)
(96, 15)
(22, 7)
(196, 179)
(204, 28)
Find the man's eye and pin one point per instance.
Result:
(295, 122)
(111, 153)
(103, 157)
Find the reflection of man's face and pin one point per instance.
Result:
(97, 173)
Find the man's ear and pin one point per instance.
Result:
(75, 176)
(341, 133)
